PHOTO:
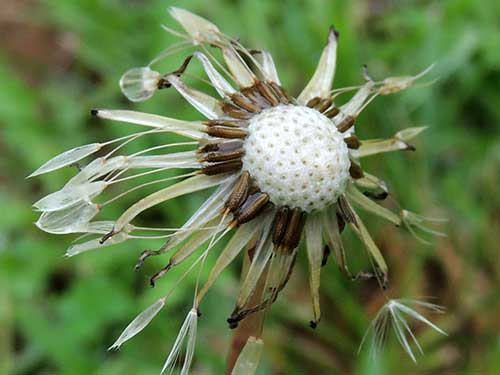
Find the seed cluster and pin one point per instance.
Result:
(292, 157)
(283, 169)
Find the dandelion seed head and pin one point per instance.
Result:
(284, 163)
(297, 157)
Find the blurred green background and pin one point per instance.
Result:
(59, 58)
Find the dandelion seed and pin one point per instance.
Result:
(412, 221)
(281, 165)
(187, 333)
(393, 313)
(394, 84)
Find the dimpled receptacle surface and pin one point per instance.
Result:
(297, 156)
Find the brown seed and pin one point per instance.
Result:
(222, 122)
(312, 103)
(225, 146)
(324, 105)
(242, 101)
(267, 92)
(208, 148)
(234, 111)
(332, 112)
(280, 92)
(298, 233)
(355, 171)
(293, 231)
(254, 95)
(230, 133)
(280, 224)
(213, 157)
(352, 142)
(251, 208)
(225, 167)
(346, 124)
(239, 193)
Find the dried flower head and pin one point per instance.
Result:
(287, 170)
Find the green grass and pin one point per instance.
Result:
(60, 58)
